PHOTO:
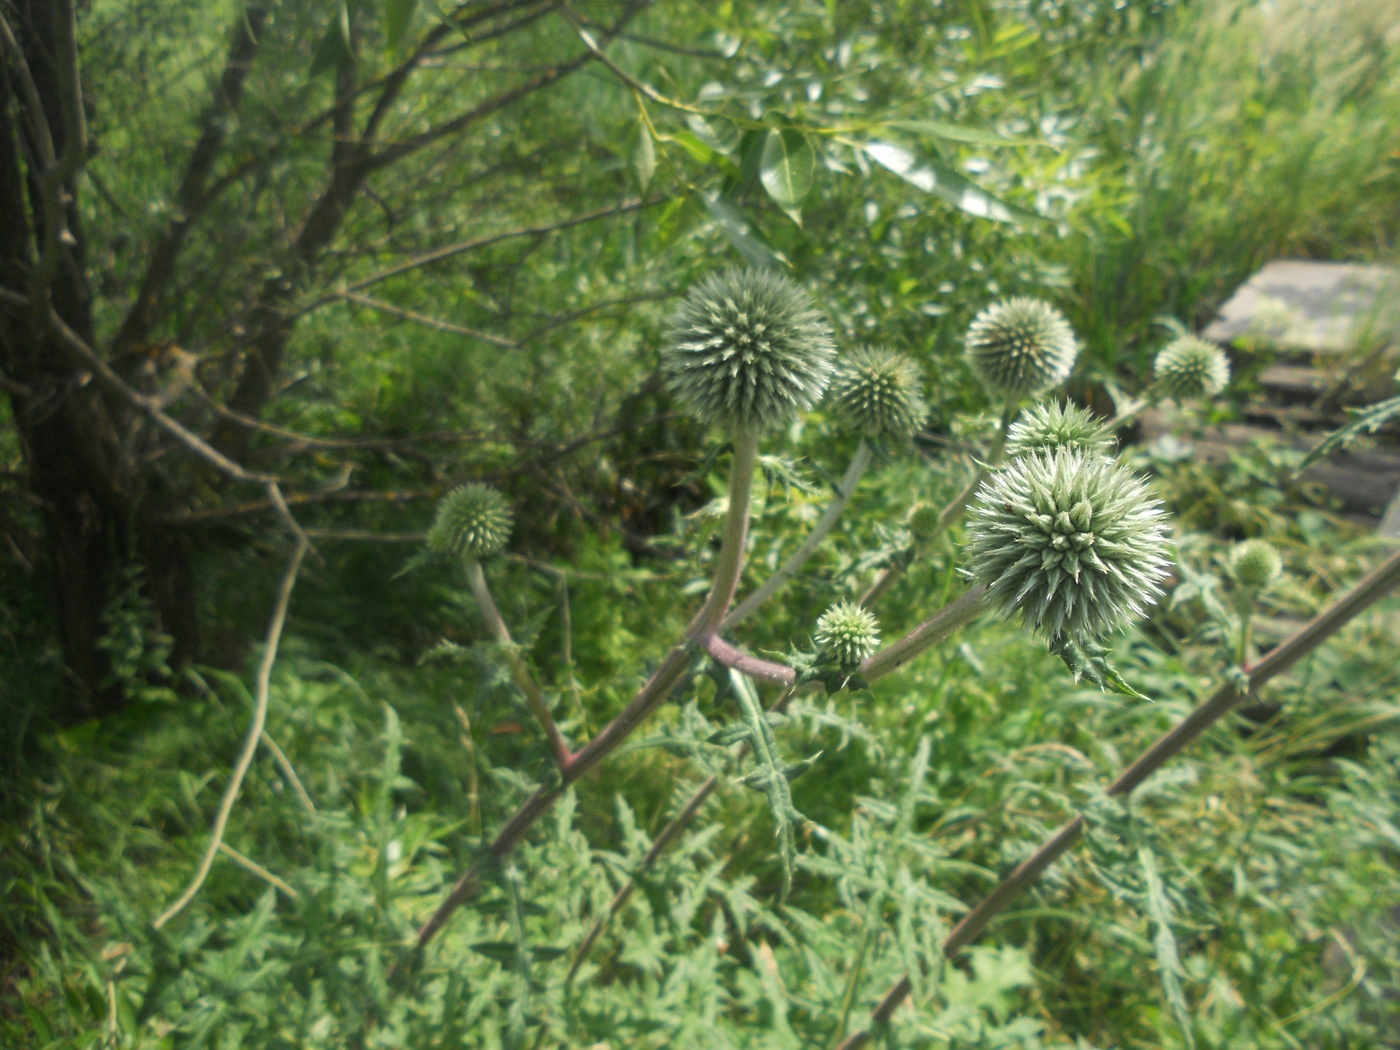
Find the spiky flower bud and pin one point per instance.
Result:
(472, 519)
(747, 349)
(1256, 564)
(924, 523)
(1071, 542)
(1189, 368)
(1021, 347)
(877, 392)
(1048, 426)
(847, 634)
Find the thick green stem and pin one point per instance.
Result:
(736, 531)
(524, 681)
(957, 613)
(947, 516)
(799, 557)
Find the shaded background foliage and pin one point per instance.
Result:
(1171, 148)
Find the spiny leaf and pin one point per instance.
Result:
(1369, 420)
(1087, 658)
(1164, 941)
(770, 777)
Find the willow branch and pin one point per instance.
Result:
(1371, 589)
(524, 680)
(263, 688)
(426, 321)
(859, 462)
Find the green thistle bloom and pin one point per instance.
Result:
(472, 519)
(924, 522)
(1256, 564)
(1048, 426)
(847, 634)
(747, 349)
(1071, 542)
(877, 392)
(1020, 347)
(1190, 368)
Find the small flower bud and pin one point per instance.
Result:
(1021, 347)
(1189, 368)
(1048, 426)
(1072, 543)
(1256, 564)
(877, 392)
(472, 519)
(847, 634)
(747, 349)
(924, 522)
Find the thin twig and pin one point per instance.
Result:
(524, 680)
(799, 557)
(288, 771)
(255, 730)
(257, 869)
(1371, 589)
(426, 321)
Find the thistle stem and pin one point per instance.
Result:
(957, 613)
(859, 462)
(648, 698)
(948, 515)
(524, 681)
(1373, 587)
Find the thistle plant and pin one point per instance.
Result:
(1021, 347)
(748, 349)
(1256, 564)
(847, 634)
(472, 520)
(1070, 542)
(876, 392)
(1049, 426)
(1190, 367)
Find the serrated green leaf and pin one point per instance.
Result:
(786, 167)
(742, 233)
(1164, 943)
(641, 155)
(937, 178)
(1087, 658)
(397, 16)
(1370, 419)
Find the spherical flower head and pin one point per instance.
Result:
(924, 523)
(1189, 368)
(1048, 426)
(847, 634)
(747, 349)
(473, 520)
(1256, 564)
(1070, 542)
(1021, 347)
(877, 392)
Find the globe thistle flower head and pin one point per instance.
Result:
(847, 634)
(1021, 347)
(1070, 542)
(472, 520)
(1256, 564)
(1048, 426)
(877, 392)
(924, 522)
(1189, 368)
(747, 349)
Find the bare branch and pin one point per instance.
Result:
(257, 869)
(426, 321)
(250, 743)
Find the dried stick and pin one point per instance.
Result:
(524, 681)
(257, 869)
(250, 743)
(288, 771)
(799, 557)
(1373, 587)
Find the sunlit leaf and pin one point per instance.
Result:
(641, 154)
(937, 178)
(786, 167)
(719, 133)
(742, 233)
